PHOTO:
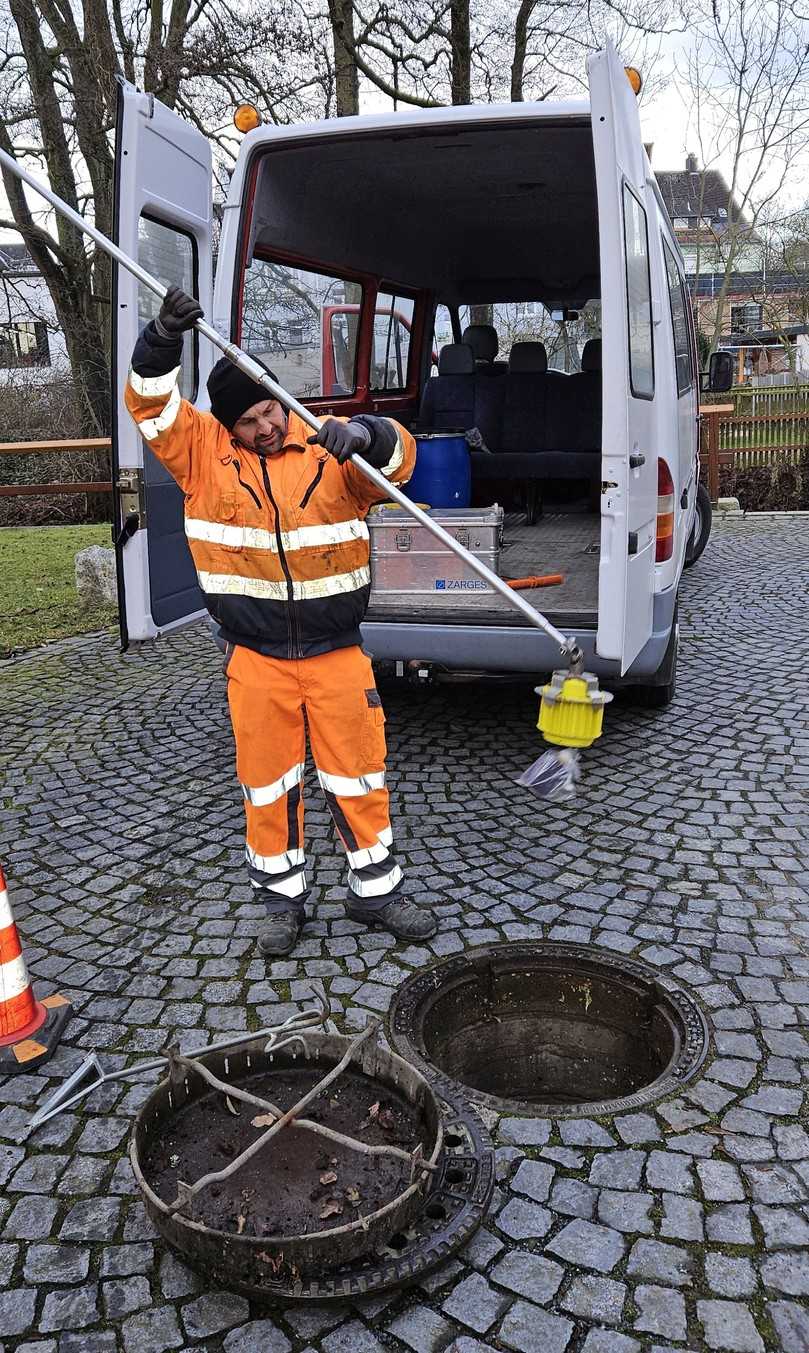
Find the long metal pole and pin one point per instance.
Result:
(251, 368)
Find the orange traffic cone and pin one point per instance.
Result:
(21, 1015)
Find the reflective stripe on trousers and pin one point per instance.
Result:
(267, 698)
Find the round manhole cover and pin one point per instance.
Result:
(550, 1029)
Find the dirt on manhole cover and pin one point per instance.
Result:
(550, 1029)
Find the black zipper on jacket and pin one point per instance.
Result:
(249, 487)
(321, 467)
(293, 639)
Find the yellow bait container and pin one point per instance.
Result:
(571, 709)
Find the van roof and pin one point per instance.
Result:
(492, 202)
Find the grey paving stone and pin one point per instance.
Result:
(69, 1310)
(660, 1311)
(118, 1261)
(56, 1264)
(730, 1224)
(729, 1325)
(626, 1211)
(607, 1341)
(670, 1172)
(732, 1071)
(92, 1219)
(534, 1178)
(31, 1218)
(351, 1338)
(88, 1341)
(782, 1227)
(475, 1303)
(721, 1181)
(596, 1299)
(152, 1331)
(574, 1198)
(521, 1220)
(17, 1311)
(122, 1296)
(529, 1275)
(525, 1131)
(729, 1276)
(775, 1100)
(617, 1169)
(589, 1245)
(421, 1329)
(482, 1248)
(791, 1323)
(529, 1329)
(176, 1279)
(666, 1263)
(775, 1184)
(683, 1218)
(584, 1132)
(635, 1128)
(258, 1336)
(214, 1312)
(787, 1272)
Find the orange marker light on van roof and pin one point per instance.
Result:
(634, 77)
(246, 118)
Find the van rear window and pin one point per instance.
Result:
(304, 325)
(638, 297)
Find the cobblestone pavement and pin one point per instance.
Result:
(684, 1226)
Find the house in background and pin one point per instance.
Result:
(31, 342)
(761, 313)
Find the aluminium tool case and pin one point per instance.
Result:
(407, 562)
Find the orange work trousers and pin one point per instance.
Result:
(271, 701)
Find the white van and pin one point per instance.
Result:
(551, 206)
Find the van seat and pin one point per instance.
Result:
(448, 399)
(525, 398)
(483, 340)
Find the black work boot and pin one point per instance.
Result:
(400, 916)
(280, 932)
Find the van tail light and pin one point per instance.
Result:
(664, 545)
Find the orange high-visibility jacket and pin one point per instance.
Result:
(280, 542)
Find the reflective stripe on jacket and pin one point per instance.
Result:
(280, 542)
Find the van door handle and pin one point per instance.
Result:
(635, 462)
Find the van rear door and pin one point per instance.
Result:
(163, 215)
(629, 458)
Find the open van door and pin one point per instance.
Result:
(163, 216)
(629, 454)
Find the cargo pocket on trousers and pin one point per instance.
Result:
(372, 739)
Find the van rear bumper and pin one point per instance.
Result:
(508, 648)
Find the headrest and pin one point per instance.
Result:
(591, 355)
(456, 359)
(483, 340)
(528, 357)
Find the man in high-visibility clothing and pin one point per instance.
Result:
(275, 520)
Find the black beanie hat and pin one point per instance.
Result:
(233, 393)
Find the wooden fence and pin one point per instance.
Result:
(750, 401)
(49, 448)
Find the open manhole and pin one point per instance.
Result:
(550, 1029)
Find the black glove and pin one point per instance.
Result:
(342, 439)
(177, 313)
(372, 438)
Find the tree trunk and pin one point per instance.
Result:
(341, 15)
(461, 56)
(520, 47)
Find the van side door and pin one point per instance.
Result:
(163, 219)
(629, 453)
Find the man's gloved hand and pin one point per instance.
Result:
(177, 313)
(342, 439)
(373, 438)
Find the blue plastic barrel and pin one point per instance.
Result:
(443, 474)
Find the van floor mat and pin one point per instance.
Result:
(557, 543)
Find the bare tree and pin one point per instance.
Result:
(59, 63)
(745, 80)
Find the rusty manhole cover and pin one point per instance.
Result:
(549, 1029)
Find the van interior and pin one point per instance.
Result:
(483, 239)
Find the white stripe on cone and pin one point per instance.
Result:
(13, 978)
(6, 917)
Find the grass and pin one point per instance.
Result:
(38, 599)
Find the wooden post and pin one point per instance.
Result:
(711, 413)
